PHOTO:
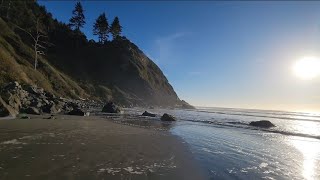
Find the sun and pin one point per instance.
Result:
(307, 68)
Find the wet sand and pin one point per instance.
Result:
(73, 147)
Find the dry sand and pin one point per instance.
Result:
(72, 147)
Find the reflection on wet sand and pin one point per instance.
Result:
(142, 121)
(310, 150)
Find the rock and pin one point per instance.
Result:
(36, 103)
(77, 112)
(30, 110)
(32, 89)
(110, 107)
(146, 113)
(6, 110)
(13, 94)
(50, 117)
(12, 85)
(263, 124)
(50, 96)
(167, 117)
(50, 109)
(13, 100)
(69, 106)
(24, 117)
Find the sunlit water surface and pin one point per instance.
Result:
(227, 148)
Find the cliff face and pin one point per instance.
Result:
(117, 70)
(76, 68)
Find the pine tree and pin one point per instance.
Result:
(77, 20)
(101, 28)
(116, 28)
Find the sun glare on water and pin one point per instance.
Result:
(307, 68)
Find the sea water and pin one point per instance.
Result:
(226, 147)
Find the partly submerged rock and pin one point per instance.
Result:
(111, 107)
(146, 113)
(263, 124)
(167, 117)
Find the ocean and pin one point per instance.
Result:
(227, 148)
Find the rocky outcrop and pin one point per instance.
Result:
(262, 124)
(28, 99)
(167, 117)
(146, 113)
(50, 108)
(6, 110)
(30, 110)
(111, 107)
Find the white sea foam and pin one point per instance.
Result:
(263, 165)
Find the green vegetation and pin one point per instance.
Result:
(101, 28)
(77, 20)
(115, 28)
(72, 66)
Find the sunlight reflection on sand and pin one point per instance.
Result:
(310, 150)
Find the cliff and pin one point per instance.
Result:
(74, 67)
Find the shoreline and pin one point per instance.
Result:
(75, 147)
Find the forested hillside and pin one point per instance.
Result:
(39, 50)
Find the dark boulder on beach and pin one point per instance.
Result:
(25, 117)
(78, 112)
(111, 107)
(263, 124)
(167, 117)
(146, 113)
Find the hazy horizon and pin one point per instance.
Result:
(221, 54)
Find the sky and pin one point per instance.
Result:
(221, 54)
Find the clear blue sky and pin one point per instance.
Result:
(229, 54)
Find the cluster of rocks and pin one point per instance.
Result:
(17, 99)
(164, 117)
(28, 99)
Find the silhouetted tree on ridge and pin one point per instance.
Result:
(101, 28)
(78, 19)
(115, 28)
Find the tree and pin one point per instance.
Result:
(116, 28)
(39, 39)
(77, 20)
(101, 28)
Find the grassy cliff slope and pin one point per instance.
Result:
(75, 67)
